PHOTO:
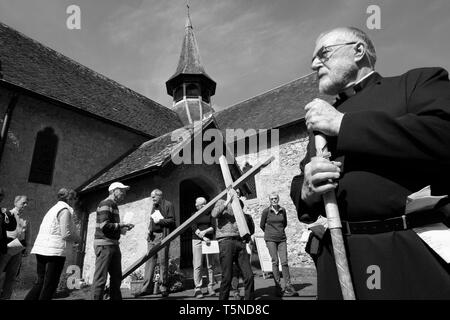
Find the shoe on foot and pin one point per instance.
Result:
(164, 294)
(237, 296)
(211, 292)
(143, 293)
(290, 292)
(198, 294)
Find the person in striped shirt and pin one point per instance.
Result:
(108, 258)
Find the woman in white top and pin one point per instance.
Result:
(52, 244)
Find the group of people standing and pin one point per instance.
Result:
(58, 235)
(12, 228)
(234, 254)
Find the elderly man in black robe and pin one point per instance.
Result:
(388, 138)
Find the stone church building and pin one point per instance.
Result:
(63, 124)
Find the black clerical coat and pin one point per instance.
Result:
(394, 140)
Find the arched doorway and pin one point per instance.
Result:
(190, 189)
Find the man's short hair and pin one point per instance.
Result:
(18, 198)
(200, 199)
(157, 191)
(274, 194)
(359, 35)
(65, 194)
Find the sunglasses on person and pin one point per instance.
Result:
(324, 53)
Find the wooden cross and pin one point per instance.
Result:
(235, 205)
(170, 237)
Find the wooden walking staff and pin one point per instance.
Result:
(235, 205)
(335, 226)
(180, 229)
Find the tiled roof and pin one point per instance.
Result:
(33, 66)
(272, 109)
(152, 154)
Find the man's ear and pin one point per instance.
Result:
(360, 51)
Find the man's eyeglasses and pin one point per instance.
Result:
(273, 198)
(324, 53)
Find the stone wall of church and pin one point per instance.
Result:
(277, 178)
(85, 146)
(136, 208)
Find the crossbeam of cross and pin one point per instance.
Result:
(181, 228)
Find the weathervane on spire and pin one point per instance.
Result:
(188, 18)
(187, 6)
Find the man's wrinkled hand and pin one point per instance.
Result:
(319, 178)
(323, 117)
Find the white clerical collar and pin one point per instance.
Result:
(349, 91)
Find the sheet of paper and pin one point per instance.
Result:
(212, 248)
(437, 236)
(128, 217)
(305, 235)
(157, 215)
(248, 247)
(421, 200)
(14, 247)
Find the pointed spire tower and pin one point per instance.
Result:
(190, 86)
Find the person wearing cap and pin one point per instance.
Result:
(52, 245)
(162, 220)
(10, 263)
(108, 258)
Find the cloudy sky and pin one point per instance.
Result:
(246, 46)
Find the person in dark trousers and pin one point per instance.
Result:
(388, 137)
(162, 220)
(54, 242)
(237, 273)
(232, 248)
(273, 223)
(108, 258)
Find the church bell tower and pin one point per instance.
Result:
(190, 86)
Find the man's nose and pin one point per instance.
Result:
(316, 64)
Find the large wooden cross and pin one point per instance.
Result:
(235, 205)
(170, 237)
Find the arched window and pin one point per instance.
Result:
(44, 156)
(178, 95)
(192, 91)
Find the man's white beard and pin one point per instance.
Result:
(335, 87)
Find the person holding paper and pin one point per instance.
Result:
(53, 243)
(162, 220)
(17, 243)
(387, 137)
(202, 231)
(7, 223)
(108, 258)
(273, 223)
